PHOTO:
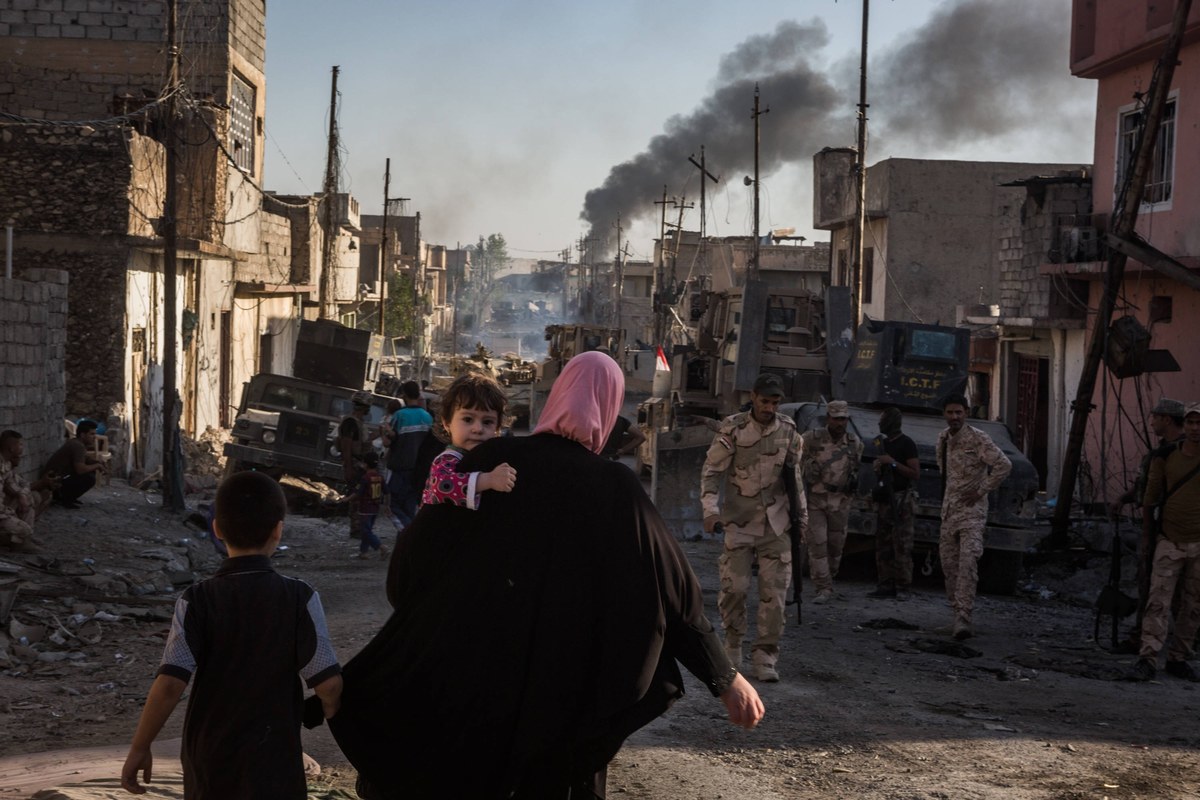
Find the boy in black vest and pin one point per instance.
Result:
(248, 635)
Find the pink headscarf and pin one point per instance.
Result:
(585, 400)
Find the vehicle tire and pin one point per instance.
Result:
(1000, 571)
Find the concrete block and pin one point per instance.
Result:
(74, 32)
(99, 32)
(24, 5)
(89, 18)
(75, 5)
(150, 35)
(122, 35)
(38, 17)
(23, 29)
(116, 20)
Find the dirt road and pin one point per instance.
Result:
(1028, 710)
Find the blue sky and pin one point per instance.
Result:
(500, 116)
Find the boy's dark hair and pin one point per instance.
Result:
(371, 459)
(410, 390)
(473, 390)
(11, 434)
(955, 399)
(84, 427)
(249, 505)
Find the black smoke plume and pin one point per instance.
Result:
(976, 70)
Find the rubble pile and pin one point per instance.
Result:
(82, 601)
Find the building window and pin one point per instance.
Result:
(241, 124)
(1162, 166)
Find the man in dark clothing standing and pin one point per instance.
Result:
(897, 468)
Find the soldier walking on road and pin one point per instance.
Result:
(1166, 421)
(830, 471)
(749, 455)
(972, 465)
(897, 467)
(1171, 510)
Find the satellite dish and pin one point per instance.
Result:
(748, 181)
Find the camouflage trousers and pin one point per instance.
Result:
(774, 553)
(960, 544)
(14, 531)
(1172, 563)
(894, 540)
(825, 538)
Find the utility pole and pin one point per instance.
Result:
(657, 293)
(1124, 226)
(752, 273)
(328, 302)
(705, 176)
(682, 205)
(383, 243)
(172, 466)
(384, 261)
(860, 186)
(704, 173)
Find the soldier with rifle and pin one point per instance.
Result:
(1171, 513)
(897, 467)
(749, 456)
(1166, 421)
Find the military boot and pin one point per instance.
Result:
(763, 670)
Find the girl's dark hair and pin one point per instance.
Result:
(473, 390)
(249, 506)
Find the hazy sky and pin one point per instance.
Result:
(502, 115)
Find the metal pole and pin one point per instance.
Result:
(860, 185)
(752, 272)
(172, 471)
(326, 295)
(383, 244)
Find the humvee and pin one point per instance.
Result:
(287, 425)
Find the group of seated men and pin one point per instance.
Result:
(65, 477)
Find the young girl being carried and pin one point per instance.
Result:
(471, 411)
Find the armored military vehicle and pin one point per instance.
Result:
(912, 366)
(289, 424)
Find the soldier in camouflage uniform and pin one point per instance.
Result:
(972, 466)
(1173, 489)
(749, 455)
(20, 502)
(830, 471)
(1166, 421)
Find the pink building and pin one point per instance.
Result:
(1117, 43)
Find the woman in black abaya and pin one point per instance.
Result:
(530, 637)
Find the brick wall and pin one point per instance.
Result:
(66, 180)
(33, 335)
(68, 59)
(1026, 245)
